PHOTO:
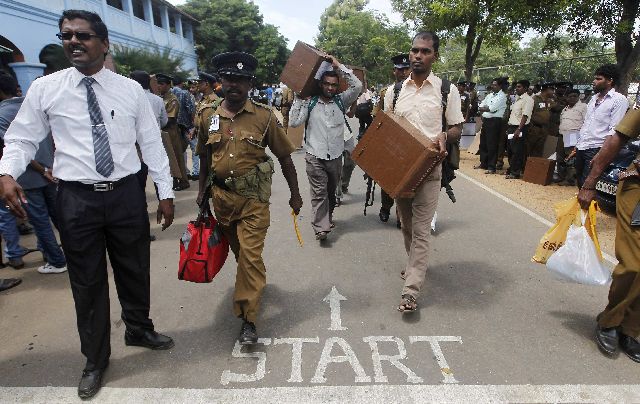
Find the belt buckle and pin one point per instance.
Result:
(103, 187)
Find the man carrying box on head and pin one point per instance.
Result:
(324, 119)
(420, 101)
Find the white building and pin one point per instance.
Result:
(29, 26)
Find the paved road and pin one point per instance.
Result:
(492, 326)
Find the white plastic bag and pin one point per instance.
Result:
(577, 259)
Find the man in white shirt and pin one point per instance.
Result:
(95, 117)
(324, 117)
(571, 120)
(420, 101)
(517, 128)
(492, 108)
(605, 109)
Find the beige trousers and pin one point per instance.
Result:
(415, 215)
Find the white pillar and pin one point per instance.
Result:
(178, 21)
(189, 31)
(164, 15)
(148, 16)
(128, 8)
(26, 73)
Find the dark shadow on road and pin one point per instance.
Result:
(579, 323)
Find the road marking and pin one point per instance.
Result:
(434, 342)
(337, 394)
(349, 356)
(334, 297)
(296, 355)
(229, 376)
(612, 260)
(377, 359)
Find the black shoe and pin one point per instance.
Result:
(631, 347)
(499, 165)
(90, 383)
(398, 224)
(152, 237)
(345, 190)
(248, 334)
(9, 283)
(16, 263)
(607, 339)
(148, 339)
(384, 215)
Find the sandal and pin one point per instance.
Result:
(408, 304)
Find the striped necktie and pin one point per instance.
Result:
(101, 149)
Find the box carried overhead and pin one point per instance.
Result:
(396, 154)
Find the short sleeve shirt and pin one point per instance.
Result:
(630, 124)
(238, 144)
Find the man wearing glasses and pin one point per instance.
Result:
(95, 117)
(324, 118)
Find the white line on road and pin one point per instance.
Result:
(612, 260)
(338, 394)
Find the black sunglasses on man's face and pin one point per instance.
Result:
(80, 36)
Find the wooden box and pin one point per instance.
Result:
(396, 155)
(299, 72)
(539, 170)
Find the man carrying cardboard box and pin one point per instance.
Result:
(420, 101)
(324, 119)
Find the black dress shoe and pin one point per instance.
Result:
(148, 339)
(248, 334)
(9, 283)
(90, 383)
(384, 215)
(607, 339)
(631, 347)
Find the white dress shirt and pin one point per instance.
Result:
(497, 103)
(157, 105)
(601, 118)
(422, 106)
(523, 105)
(58, 103)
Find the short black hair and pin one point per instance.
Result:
(573, 91)
(609, 71)
(524, 83)
(426, 35)
(177, 80)
(93, 19)
(141, 77)
(329, 73)
(8, 84)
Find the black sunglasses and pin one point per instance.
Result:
(80, 36)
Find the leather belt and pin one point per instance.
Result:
(104, 186)
(218, 182)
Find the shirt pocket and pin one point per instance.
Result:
(121, 129)
(431, 119)
(251, 144)
(334, 117)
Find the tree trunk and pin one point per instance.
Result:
(473, 44)
(627, 53)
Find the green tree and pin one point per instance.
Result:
(237, 25)
(617, 21)
(478, 22)
(129, 59)
(361, 38)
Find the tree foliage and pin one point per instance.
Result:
(617, 21)
(361, 38)
(237, 25)
(129, 59)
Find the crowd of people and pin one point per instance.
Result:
(79, 146)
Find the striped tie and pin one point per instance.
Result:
(101, 149)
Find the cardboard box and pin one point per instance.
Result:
(299, 72)
(396, 155)
(539, 170)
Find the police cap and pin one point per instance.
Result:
(563, 84)
(235, 64)
(544, 86)
(162, 78)
(209, 78)
(401, 61)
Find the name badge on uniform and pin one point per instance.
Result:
(215, 123)
(542, 105)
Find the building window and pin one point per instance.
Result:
(138, 8)
(157, 17)
(172, 23)
(115, 4)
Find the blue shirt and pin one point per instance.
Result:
(31, 178)
(269, 92)
(497, 103)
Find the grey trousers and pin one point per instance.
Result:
(415, 215)
(324, 176)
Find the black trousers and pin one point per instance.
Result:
(489, 139)
(93, 224)
(516, 150)
(583, 164)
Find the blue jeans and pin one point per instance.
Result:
(583, 164)
(194, 157)
(9, 232)
(41, 207)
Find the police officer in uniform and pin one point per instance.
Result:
(233, 135)
(618, 325)
(540, 121)
(401, 70)
(285, 106)
(172, 106)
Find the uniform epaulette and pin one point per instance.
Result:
(261, 105)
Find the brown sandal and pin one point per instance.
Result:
(408, 304)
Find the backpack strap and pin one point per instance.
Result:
(396, 93)
(338, 101)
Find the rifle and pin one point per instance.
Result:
(371, 193)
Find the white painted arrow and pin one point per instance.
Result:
(334, 297)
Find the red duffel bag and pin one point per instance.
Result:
(203, 249)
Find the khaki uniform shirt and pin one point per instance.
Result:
(465, 100)
(172, 106)
(287, 97)
(202, 104)
(541, 115)
(630, 126)
(522, 106)
(239, 144)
